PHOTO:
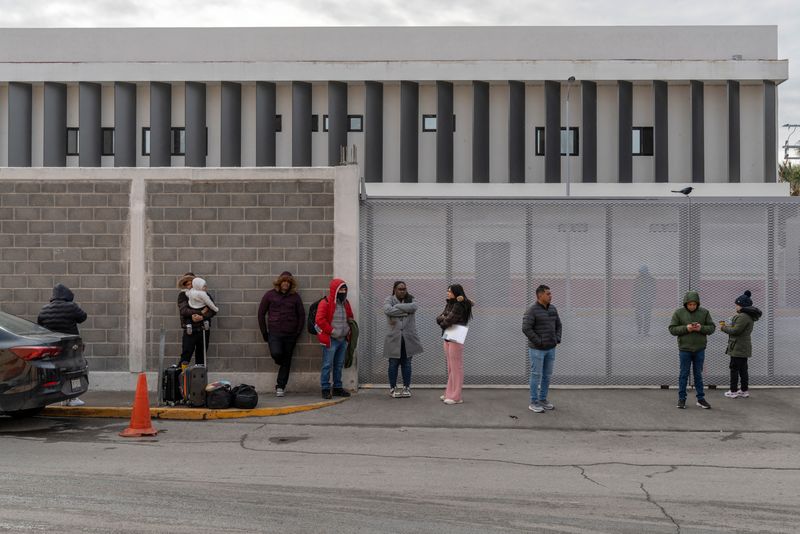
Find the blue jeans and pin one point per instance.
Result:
(333, 357)
(404, 362)
(694, 360)
(541, 370)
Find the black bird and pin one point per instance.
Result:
(685, 191)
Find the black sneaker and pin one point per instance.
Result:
(682, 404)
(326, 394)
(339, 392)
(703, 404)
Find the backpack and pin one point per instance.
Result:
(244, 397)
(311, 321)
(218, 396)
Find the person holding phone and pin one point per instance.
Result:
(692, 325)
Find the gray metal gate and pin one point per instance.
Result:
(617, 269)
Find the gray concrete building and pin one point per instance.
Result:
(446, 104)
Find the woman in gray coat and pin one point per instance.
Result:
(402, 341)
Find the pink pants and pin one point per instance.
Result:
(454, 354)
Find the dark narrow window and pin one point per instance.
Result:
(642, 141)
(178, 141)
(314, 123)
(108, 142)
(355, 123)
(145, 141)
(73, 142)
(278, 123)
(570, 139)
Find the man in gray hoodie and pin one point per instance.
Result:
(542, 326)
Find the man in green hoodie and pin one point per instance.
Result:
(692, 324)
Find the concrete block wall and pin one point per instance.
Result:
(71, 232)
(238, 235)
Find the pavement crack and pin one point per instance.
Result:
(670, 470)
(663, 511)
(587, 477)
(733, 435)
(244, 437)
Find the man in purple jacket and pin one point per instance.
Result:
(286, 320)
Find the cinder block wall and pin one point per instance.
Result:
(238, 236)
(75, 233)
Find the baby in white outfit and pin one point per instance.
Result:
(198, 298)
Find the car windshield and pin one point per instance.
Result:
(21, 327)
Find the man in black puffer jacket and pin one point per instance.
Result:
(61, 314)
(542, 326)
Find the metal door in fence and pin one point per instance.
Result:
(617, 270)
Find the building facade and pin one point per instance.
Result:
(483, 104)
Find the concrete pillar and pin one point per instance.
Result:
(90, 136)
(552, 132)
(301, 124)
(265, 124)
(337, 120)
(160, 124)
(480, 132)
(124, 124)
(661, 131)
(516, 132)
(770, 132)
(231, 125)
(589, 133)
(373, 132)
(625, 151)
(734, 133)
(444, 132)
(698, 132)
(195, 99)
(20, 113)
(409, 132)
(55, 125)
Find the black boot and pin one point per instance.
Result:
(340, 392)
(326, 394)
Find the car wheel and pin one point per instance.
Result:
(30, 412)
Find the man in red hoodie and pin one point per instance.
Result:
(333, 332)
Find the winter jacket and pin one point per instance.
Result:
(454, 313)
(739, 330)
(542, 326)
(691, 341)
(61, 314)
(185, 311)
(287, 317)
(402, 323)
(325, 311)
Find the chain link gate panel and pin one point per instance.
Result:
(617, 270)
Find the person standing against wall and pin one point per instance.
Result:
(542, 326)
(692, 324)
(193, 322)
(333, 314)
(402, 341)
(286, 319)
(457, 311)
(740, 346)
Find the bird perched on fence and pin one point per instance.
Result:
(685, 190)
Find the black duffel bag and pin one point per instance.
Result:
(219, 398)
(244, 397)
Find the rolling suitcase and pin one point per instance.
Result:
(171, 385)
(195, 380)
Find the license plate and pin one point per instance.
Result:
(75, 383)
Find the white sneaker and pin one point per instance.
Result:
(441, 397)
(743, 394)
(279, 392)
(451, 401)
(406, 393)
(74, 402)
(731, 394)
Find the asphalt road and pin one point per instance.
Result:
(348, 471)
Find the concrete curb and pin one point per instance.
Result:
(182, 414)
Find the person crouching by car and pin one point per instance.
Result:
(62, 314)
(333, 312)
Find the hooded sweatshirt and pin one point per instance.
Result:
(691, 341)
(327, 309)
(739, 330)
(61, 314)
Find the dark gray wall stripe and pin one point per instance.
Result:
(266, 109)
(91, 141)
(55, 125)
(588, 134)
(230, 154)
(552, 132)
(698, 133)
(661, 131)
(516, 132)
(480, 132)
(409, 132)
(770, 132)
(337, 120)
(373, 132)
(160, 124)
(624, 153)
(734, 133)
(301, 124)
(444, 132)
(124, 124)
(195, 100)
(20, 113)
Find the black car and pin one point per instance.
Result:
(38, 367)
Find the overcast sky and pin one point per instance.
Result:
(131, 13)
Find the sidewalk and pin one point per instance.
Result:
(650, 409)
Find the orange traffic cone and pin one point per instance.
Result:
(140, 416)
